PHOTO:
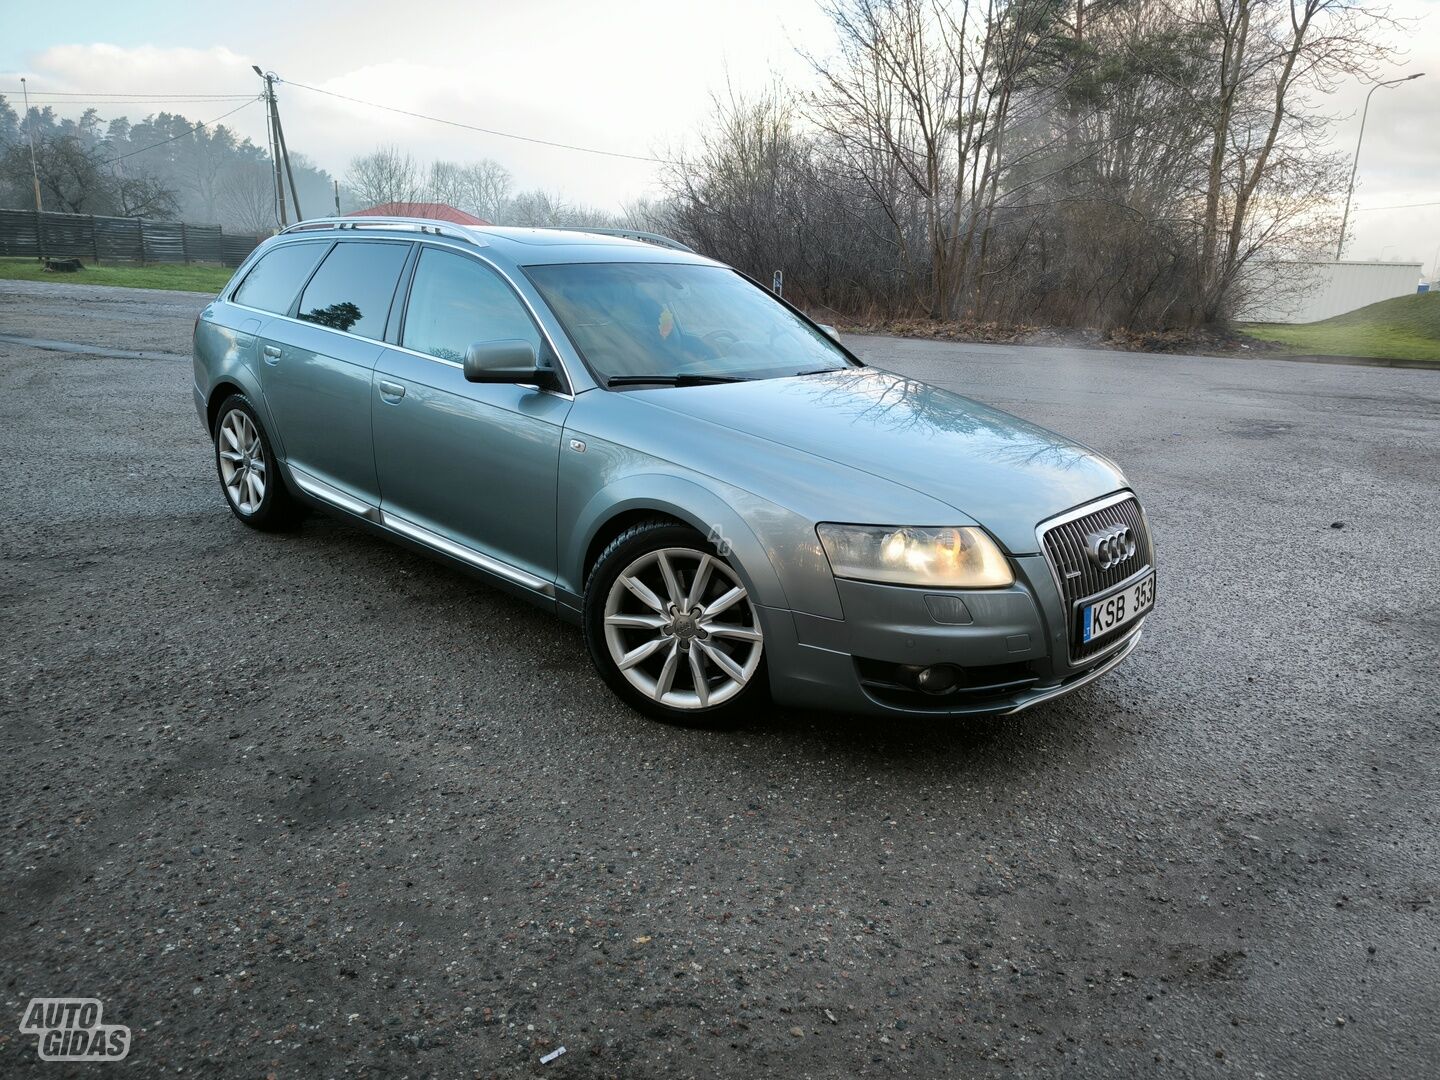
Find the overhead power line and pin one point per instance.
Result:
(186, 94)
(153, 102)
(187, 131)
(482, 130)
(80, 97)
(1402, 206)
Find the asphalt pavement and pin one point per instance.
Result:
(310, 805)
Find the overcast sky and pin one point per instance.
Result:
(632, 76)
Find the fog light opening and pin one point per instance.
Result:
(938, 679)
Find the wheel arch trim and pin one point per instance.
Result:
(667, 495)
(236, 379)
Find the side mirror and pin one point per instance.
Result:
(508, 361)
(829, 330)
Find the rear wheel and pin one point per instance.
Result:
(672, 629)
(249, 476)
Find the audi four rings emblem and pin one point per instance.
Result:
(1110, 547)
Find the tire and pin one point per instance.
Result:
(694, 670)
(248, 470)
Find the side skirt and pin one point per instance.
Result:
(491, 569)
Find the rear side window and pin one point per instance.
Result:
(455, 302)
(272, 283)
(353, 288)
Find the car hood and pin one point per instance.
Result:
(1001, 471)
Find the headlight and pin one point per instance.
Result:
(949, 558)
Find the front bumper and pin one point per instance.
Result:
(1010, 645)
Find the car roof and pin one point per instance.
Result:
(518, 246)
(529, 247)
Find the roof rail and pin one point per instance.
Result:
(629, 234)
(424, 225)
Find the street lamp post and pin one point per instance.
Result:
(1355, 165)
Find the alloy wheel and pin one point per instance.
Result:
(680, 628)
(242, 461)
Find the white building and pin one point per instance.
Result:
(1302, 292)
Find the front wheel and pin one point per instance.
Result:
(672, 629)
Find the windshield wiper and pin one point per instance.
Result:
(687, 379)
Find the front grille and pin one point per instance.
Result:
(1079, 577)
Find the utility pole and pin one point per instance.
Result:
(274, 149)
(278, 150)
(337, 198)
(285, 153)
(30, 134)
(1355, 165)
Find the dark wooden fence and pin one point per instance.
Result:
(26, 234)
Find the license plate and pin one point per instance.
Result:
(1117, 609)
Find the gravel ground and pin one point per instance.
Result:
(312, 806)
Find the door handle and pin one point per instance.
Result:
(272, 354)
(391, 392)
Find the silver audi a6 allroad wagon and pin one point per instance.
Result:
(652, 445)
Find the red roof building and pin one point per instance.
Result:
(436, 211)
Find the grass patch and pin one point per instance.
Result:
(206, 279)
(1405, 328)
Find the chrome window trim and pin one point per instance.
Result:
(423, 240)
(318, 489)
(1074, 515)
(397, 348)
(456, 364)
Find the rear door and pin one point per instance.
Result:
(316, 367)
(270, 288)
(474, 463)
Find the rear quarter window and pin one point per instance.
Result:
(272, 282)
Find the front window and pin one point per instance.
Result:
(456, 302)
(668, 322)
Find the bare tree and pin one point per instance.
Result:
(1267, 174)
(77, 179)
(246, 197)
(443, 184)
(484, 187)
(142, 196)
(385, 175)
(1094, 162)
(477, 187)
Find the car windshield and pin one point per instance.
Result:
(677, 323)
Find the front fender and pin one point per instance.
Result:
(775, 552)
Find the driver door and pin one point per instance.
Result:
(475, 463)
